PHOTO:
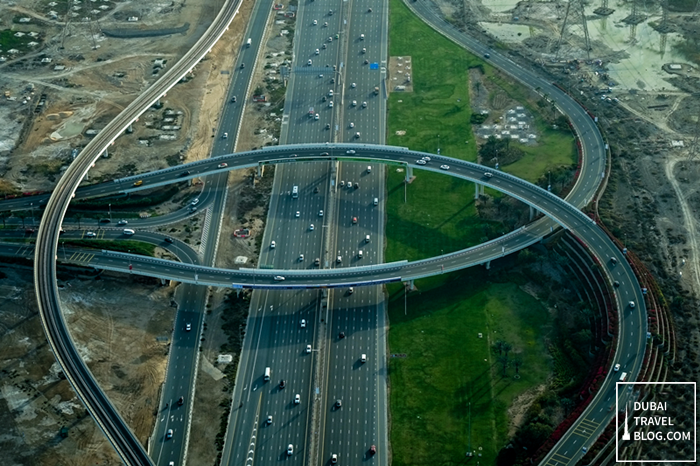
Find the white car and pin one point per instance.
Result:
(309, 63)
(363, 358)
(297, 399)
(302, 324)
(330, 104)
(308, 349)
(330, 93)
(188, 327)
(632, 304)
(316, 117)
(315, 22)
(273, 245)
(342, 184)
(334, 458)
(353, 85)
(616, 368)
(169, 434)
(318, 51)
(427, 159)
(269, 420)
(364, 104)
(279, 278)
(357, 135)
(91, 234)
(421, 162)
(352, 125)
(290, 450)
(320, 213)
(445, 167)
(301, 258)
(122, 222)
(354, 103)
(297, 214)
(311, 227)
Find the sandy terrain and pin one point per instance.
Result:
(124, 343)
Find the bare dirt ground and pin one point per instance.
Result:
(84, 87)
(124, 343)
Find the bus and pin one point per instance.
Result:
(295, 192)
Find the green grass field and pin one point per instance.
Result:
(450, 371)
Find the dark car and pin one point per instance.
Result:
(328, 126)
(168, 239)
(242, 65)
(616, 284)
(233, 99)
(29, 231)
(184, 173)
(341, 335)
(357, 186)
(105, 220)
(181, 401)
(282, 383)
(316, 190)
(333, 79)
(487, 55)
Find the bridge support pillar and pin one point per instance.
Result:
(130, 128)
(162, 281)
(409, 174)
(488, 265)
(533, 212)
(105, 154)
(261, 170)
(478, 189)
(410, 285)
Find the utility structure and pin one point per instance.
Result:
(693, 150)
(580, 7)
(633, 19)
(663, 28)
(93, 24)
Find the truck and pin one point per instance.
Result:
(623, 376)
(376, 90)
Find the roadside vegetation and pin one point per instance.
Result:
(132, 247)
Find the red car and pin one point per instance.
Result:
(372, 450)
(354, 220)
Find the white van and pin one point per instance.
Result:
(128, 232)
(376, 201)
(363, 358)
(367, 239)
(267, 374)
(249, 42)
(369, 169)
(359, 254)
(623, 376)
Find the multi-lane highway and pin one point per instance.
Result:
(77, 373)
(593, 159)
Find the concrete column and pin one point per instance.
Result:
(410, 285)
(488, 265)
(162, 281)
(532, 212)
(105, 154)
(261, 170)
(409, 173)
(476, 190)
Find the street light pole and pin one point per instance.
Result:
(31, 204)
(110, 212)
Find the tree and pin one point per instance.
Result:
(22, 214)
(503, 360)
(498, 346)
(4, 215)
(517, 362)
(507, 347)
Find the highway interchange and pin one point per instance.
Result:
(364, 307)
